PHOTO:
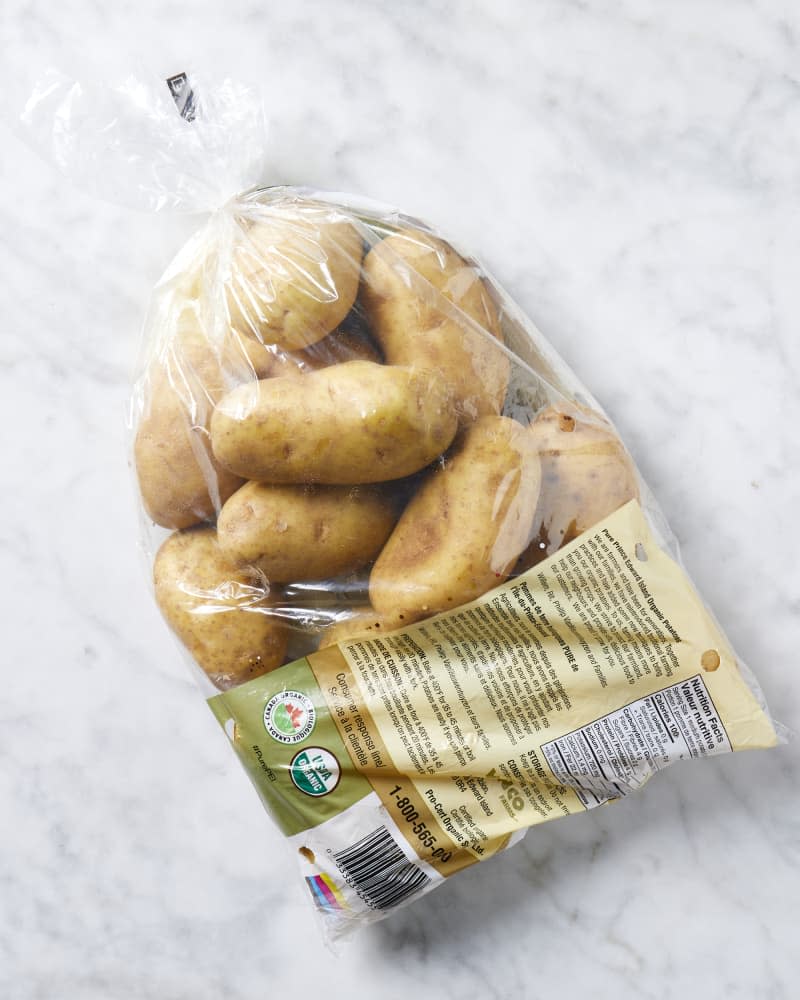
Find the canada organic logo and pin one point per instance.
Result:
(314, 771)
(289, 717)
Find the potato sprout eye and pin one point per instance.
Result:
(566, 422)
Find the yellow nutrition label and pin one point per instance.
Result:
(565, 688)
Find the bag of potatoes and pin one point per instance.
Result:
(407, 556)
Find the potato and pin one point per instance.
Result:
(465, 528)
(586, 475)
(353, 423)
(180, 481)
(219, 613)
(294, 276)
(294, 533)
(363, 622)
(405, 278)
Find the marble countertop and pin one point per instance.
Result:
(629, 171)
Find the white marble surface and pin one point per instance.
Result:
(630, 171)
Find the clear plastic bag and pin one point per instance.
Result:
(410, 561)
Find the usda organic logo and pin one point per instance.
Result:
(289, 717)
(315, 771)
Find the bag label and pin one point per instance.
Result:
(564, 688)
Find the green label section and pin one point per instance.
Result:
(281, 729)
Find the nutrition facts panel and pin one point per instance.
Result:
(618, 752)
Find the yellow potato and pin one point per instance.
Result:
(586, 475)
(353, 423)
(180, 481)
(294, 533)
(294, 275)
(406, 278)
(219, 613)
(363, 622)
(465, 528)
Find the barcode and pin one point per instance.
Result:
(379, 871)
